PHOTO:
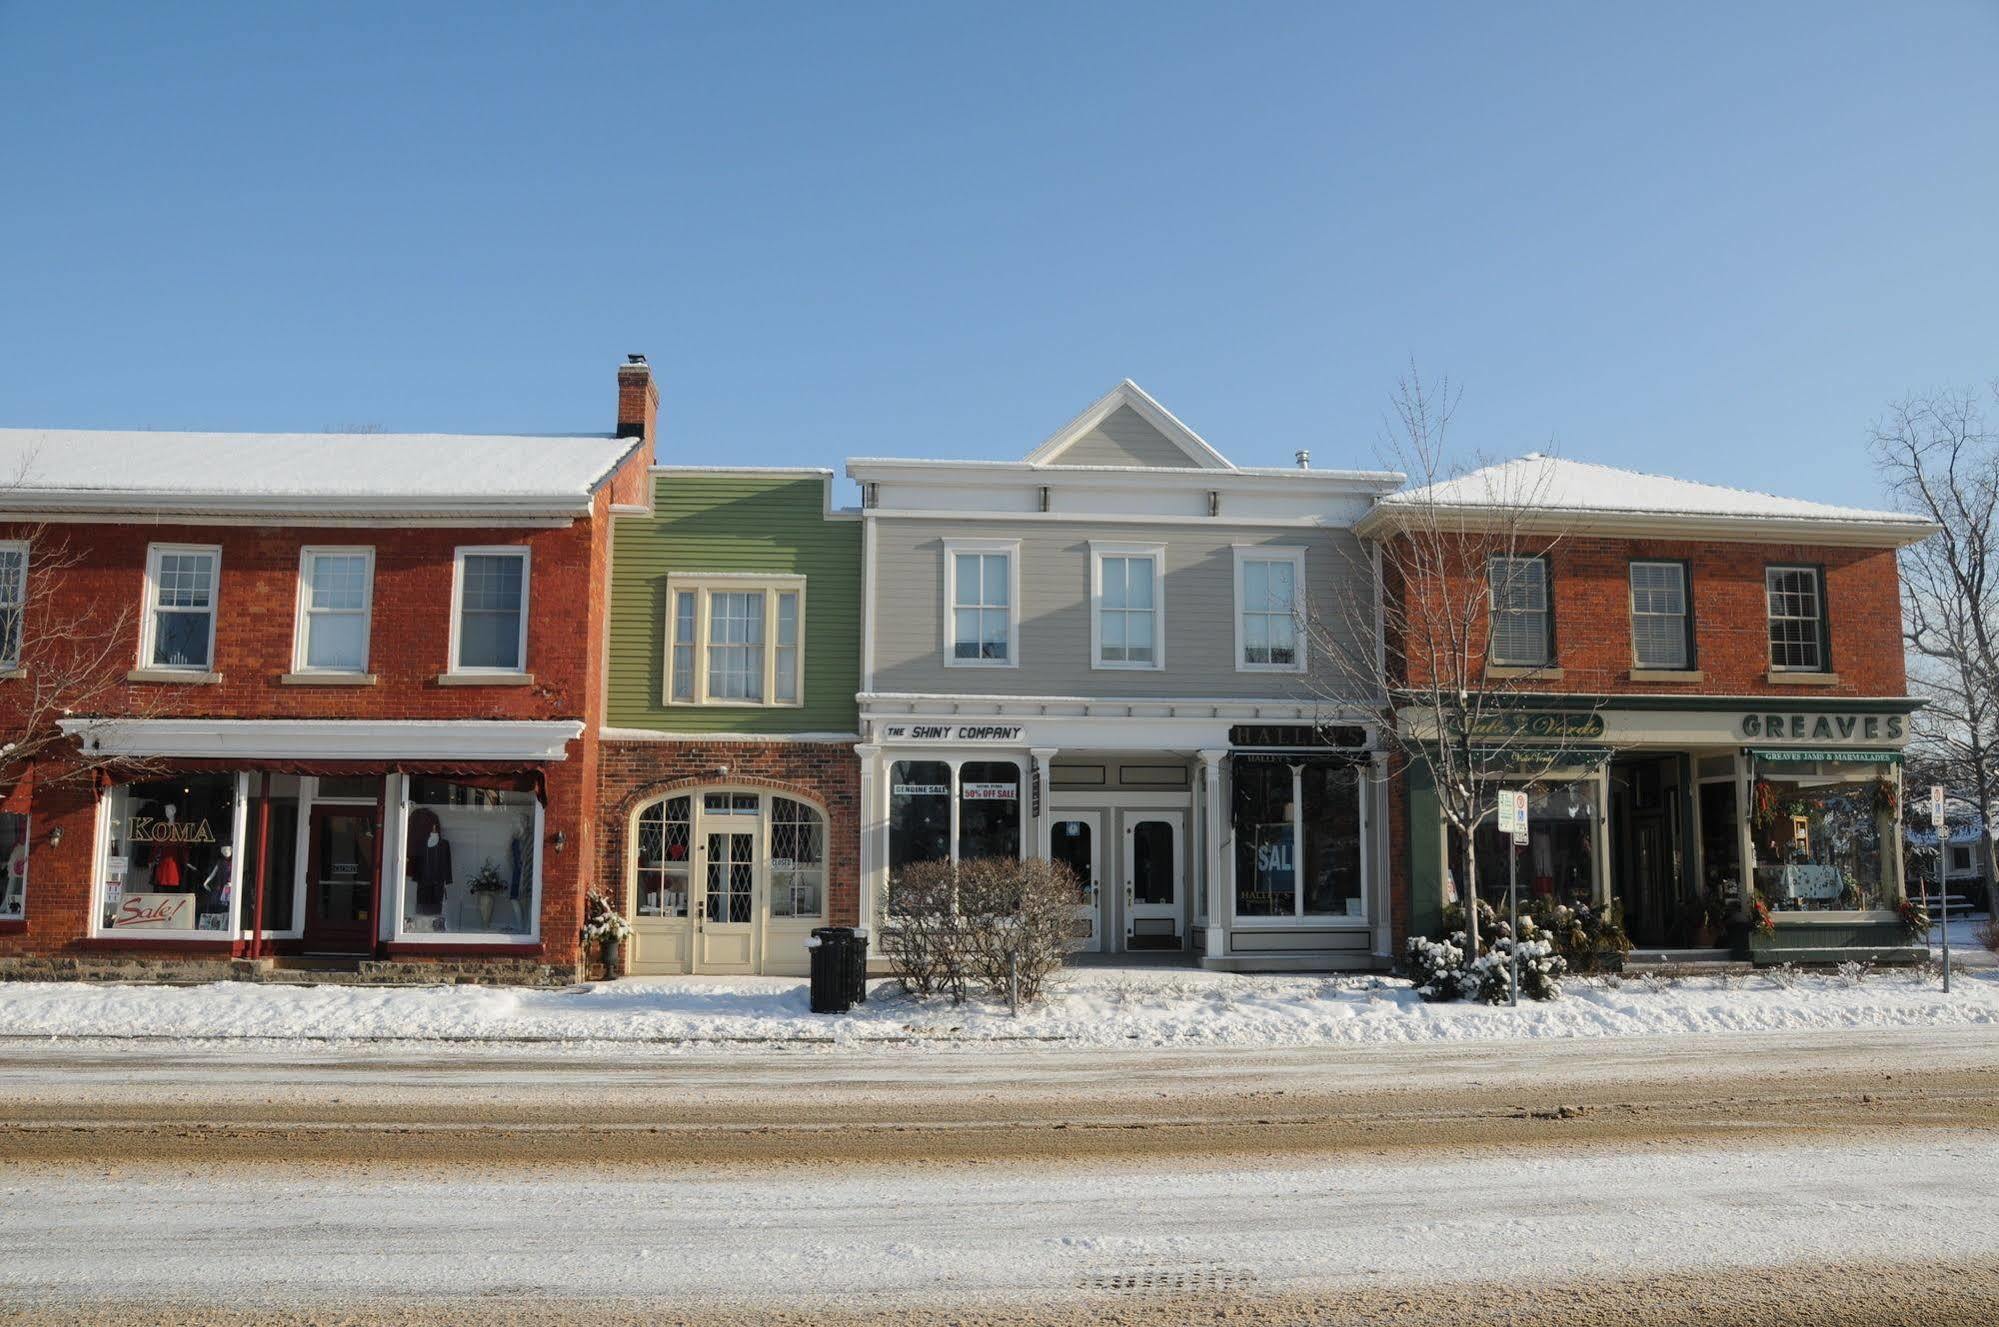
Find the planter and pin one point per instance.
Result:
(484, 899)
(612, 958)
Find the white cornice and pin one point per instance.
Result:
(529, 741)
(1385, 519)
(876, 469)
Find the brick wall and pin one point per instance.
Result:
(828, 773)
(1589, 580)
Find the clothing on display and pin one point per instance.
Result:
(429, 863)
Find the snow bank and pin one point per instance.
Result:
(1100, 1007)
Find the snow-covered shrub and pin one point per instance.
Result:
(1988, 934)
(1586, 937)
(603, 921)
(1442, 970)
(1852, 973)
(918, 932)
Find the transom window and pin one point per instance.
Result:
(336, 594)
(1797, 619)
(1268, 593)
(490, 624)
(981, 589)
(735, 640)
(1659, 619)
(179, 627)
(1129, 622)
(1521, 622)
(13, 600)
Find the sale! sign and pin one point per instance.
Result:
(154, 912)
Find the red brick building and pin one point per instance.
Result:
(306, 696)
(1714, 684)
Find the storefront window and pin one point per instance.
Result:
(1818, 844)
(797, 859)
(1279, 808)
(469, 865)
(169, 860)
(988, 809)
(664, 835)
(1721, 843)
(14, 851)
(919, 813)
(1559, 861)
(1331, 833)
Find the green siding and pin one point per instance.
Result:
(739, 522)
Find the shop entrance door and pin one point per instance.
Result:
(340, 880)
(729, 873)
(1076, 840)
(1154, 901)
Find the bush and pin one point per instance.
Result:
(1988, 934)
(1442, 970)
(984, 924)
(1584, 937)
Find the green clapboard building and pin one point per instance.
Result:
(729, 783)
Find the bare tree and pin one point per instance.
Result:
(1940, 460)
(1439, 565)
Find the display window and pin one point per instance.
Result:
(1297, 830)
(919, 812)
(1560, 859)
(14, 851)
(170, 856)
(471, 862)
(988, 809)
(1817, 837)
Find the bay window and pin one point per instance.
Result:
(735, 640)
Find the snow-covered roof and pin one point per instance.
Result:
(303, 474)
(1589, 494)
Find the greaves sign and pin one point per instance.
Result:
(1824, 727)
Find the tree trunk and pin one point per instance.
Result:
(1471, 897)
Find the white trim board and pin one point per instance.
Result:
(529, 740)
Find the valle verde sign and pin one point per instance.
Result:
(1541, 725)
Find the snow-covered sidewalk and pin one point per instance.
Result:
(1089, 1007)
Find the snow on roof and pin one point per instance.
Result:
(1558, 484)
(77, 470)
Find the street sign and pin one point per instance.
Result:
(1936, 806)
(1504, 811)
(1519, 818)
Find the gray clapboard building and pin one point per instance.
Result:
(1115, 652)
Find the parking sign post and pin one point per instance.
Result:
(1943, 898)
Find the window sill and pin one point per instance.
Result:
(1804, 679)
(980, 663)
(1841, 917)
(1503, 672)
(1682, 675)
(13, 925)
(1292, 669)
(327, 679)
(1099, 666)
(12, 674)
(184, 676)
(485, 679)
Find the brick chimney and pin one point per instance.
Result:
(638, 400)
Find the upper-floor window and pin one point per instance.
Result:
(1128, 612)
(735, 640)
(13, 601)
(1269, 596)
(489, 613)
(1659, 619)
(982, 592)
(1797, 619)
(335, 602)
(1522, 626)
(178, 630)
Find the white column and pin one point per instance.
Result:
(1380, 867)
(1044, 758)
(870, 832)
(1215, 940)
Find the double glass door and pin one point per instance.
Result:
(1131, 866)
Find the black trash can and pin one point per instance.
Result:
(831, 982)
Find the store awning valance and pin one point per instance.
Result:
(1803, 755)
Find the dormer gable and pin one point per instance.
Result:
(1126, 428)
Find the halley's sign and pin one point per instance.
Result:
(1824, 727)
(953, 732)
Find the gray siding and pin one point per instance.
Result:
(1124, 438)
(1055, 614)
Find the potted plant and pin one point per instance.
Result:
(605, 929)
(1713, 922)
(486, 887)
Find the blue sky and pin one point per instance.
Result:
(1713, 240)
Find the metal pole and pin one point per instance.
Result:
(1513, 911)
(1943, 912)
(1013, 984)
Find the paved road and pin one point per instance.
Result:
(1644, 1178)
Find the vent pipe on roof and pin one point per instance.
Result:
(1304, 460)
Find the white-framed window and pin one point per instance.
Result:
(735, 640)
(1660, 637)
(1797, 619)
(982, 603)
(1522, 626)
(489, 610)
(1270, 609)
(336, 597)
(1127, 606)
(178, 630)
(13, 600)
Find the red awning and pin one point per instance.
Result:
(475, 774)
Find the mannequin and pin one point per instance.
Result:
(428, 862)
(169, 856)
(219, 877)
(12, 891)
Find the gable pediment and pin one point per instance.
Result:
(1127, 428)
